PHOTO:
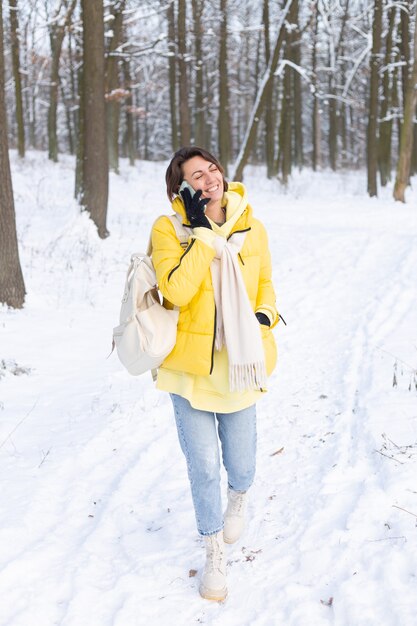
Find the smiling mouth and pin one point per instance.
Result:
(212, 189)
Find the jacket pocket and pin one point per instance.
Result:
(270, 348)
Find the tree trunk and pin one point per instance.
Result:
(95, 161)
(333, 130)
(223, 124)
(285, 134)
(130, 133)
(344, 114)
(56, 37)
(406, 140)
(15, 36)
(385, 125)
(405, 47)
(404, 44)
(185, 126)
(27, 84)
(413, 168)
(68, 119)
(269, 108)
(285, 129)
(266, 83)
(12, 287)
(74, 100)
(334, 112)
(199, 113)
(112, 84)
(172, 74)
(146, 129)
(298, 94)
(30, 83)
(372, 141)
(79, 158)
(316, 127)
(343, 133)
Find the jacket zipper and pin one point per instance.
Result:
(244, 230)
(177, 266)
(214, 339)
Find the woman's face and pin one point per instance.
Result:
(204, 175)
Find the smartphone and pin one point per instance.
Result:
(185, 185)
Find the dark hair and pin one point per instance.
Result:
(174, 174)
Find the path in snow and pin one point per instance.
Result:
(98, 526)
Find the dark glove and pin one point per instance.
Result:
(263, 319)
(194, 208)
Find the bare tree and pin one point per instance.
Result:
(199, 116)
(406, 141)
(269, 108)
(12, 287)
(114, 94)
(129, 141)
(285, 128)
(223, 125)
(15, 38)
(315, 122)
(372, 138)
(57, 27)
(295, 52)
(290, 126)
(172, 73)
(173, 89)
(385, 125)
(95, 162)
(185, 125)
(266, 84)
(335, 45)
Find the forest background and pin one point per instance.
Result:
(289, 84)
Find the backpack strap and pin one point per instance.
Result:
(183, 232)
(183, 236)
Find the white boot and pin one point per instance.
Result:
(213, 582)
(234, 517)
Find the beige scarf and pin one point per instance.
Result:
(236, 325)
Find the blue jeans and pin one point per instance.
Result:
(197, 432)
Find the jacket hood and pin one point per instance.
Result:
(235, 199)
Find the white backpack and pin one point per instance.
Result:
(147, 331)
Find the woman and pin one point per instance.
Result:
(224, 351)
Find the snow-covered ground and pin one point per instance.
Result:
(96, 520)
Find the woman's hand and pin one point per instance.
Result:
(195, 207)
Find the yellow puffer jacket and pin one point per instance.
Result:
(184, 279)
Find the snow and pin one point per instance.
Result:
(97, 521)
